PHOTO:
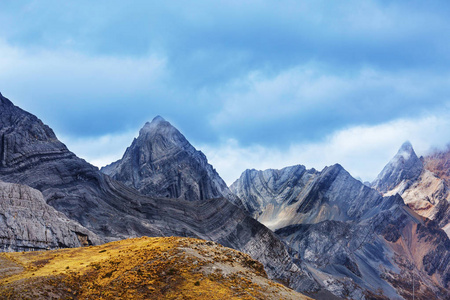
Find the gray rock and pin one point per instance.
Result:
(404, 168)
(428, 193)
(28, 223)
(271, 187)
(32, 155)
(162, 163)
(295, 195)
(356, 243)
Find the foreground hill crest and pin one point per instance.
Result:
(143, 268)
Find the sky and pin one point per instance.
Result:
(253, 84)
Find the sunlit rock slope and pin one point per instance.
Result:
(423, 183)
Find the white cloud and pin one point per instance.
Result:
(306, 91)
(100, 151)
(361, 150)
(68, 73)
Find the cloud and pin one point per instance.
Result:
(283, 76)
(81, 94)
(308, 102)
(100, 151)
(361, 150)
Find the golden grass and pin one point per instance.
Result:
(141, 268)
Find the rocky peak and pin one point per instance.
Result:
(403, 168)
(158, 124)
(349, 233)
(161, 162)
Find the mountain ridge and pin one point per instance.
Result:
(426, 192)
(355, 241)
(33, 156)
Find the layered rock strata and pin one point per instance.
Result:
(357, 243)
(32, 155)
(28, 223)
(162, 163)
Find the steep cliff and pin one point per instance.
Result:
(404, 168)
(294, 195)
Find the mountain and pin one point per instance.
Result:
(162, 163)
(403, 169)
(426, 192)
(355, 242)
(32, 155)
(294, 195)
(142, 268)
(28, 223)
(266, 191)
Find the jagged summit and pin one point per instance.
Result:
(292, 195)
(404, 167)
(158, 118)
(162, 163)
(349, 232)
(406, 150)
(155, 124)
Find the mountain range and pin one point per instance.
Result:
(32, 155)
(322, 233)
(422, 182)
(353, 240)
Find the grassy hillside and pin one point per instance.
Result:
(142, 268)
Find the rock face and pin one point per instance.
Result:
(32, 155)
(162, 163)
(268, 190)
(356, 243)
(426, 192)
(28, 223)
(294, 195)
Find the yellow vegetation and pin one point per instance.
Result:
(141, 268)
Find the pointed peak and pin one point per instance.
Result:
(406, 152)
(405, 165)
(158, 119)
(406, 146)
(153, 125)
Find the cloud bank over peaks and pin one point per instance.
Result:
(361, 150)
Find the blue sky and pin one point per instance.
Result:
(253, 84)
